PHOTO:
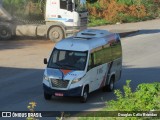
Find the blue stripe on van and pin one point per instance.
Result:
(62, 19)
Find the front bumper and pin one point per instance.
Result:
(71, 92)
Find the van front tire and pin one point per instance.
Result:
(47, 96)
(84, 97)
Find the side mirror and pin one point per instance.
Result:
(69, 5)
(45, 61)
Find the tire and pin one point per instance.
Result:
(110, 86)
(84, 98)
(56, 34)
(47, 96)
(5, 33)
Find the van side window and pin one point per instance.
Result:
(116, 49)
(90, 62)
(63, 4)
(55, 54)
(102, 56)
(62, 55)
(106, 55)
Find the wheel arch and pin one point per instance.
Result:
(112, 76)
(87, 85)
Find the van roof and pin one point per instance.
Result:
(86, 40)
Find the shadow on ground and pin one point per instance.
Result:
(18, 86)
(142, 32)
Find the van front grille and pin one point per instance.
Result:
(59, 83)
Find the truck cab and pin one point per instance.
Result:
(63, 18)
(70, 15)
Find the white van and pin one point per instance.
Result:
(82, 64)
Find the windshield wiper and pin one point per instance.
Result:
(58, 65)
(71, 66)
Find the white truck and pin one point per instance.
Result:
(62, 18)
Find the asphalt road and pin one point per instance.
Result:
(21, 73)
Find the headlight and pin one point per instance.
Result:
(76, 80)
(45, 77)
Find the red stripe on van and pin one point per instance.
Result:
(65, 71)
(103, 81)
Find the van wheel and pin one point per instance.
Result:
(5, 33)
(110, 86)
(47, 96)
(83, 98)
(56, 34)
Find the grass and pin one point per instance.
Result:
(93, 21)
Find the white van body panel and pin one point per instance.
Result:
(96, 77)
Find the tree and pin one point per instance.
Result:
(13, 5)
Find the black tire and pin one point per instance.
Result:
(5, 33)
(56, 34)
(110, 86)
(47, 96)
(83, 99)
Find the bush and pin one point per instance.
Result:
(94, 21)
(14, 6)
(121, 11)
(145, 98)
(125, 10)
(24, 9)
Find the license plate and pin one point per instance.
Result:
(59, 94)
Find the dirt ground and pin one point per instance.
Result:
(24, 53)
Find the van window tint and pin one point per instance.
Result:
(62, 55)
(63, 4)
(116, 50)
(55, 54)
(90, 63)
(102, 56)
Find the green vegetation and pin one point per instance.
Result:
(123, 11)
(145, 98)
(95, 21)
(25, 9)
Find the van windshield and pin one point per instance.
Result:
(70, 60)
